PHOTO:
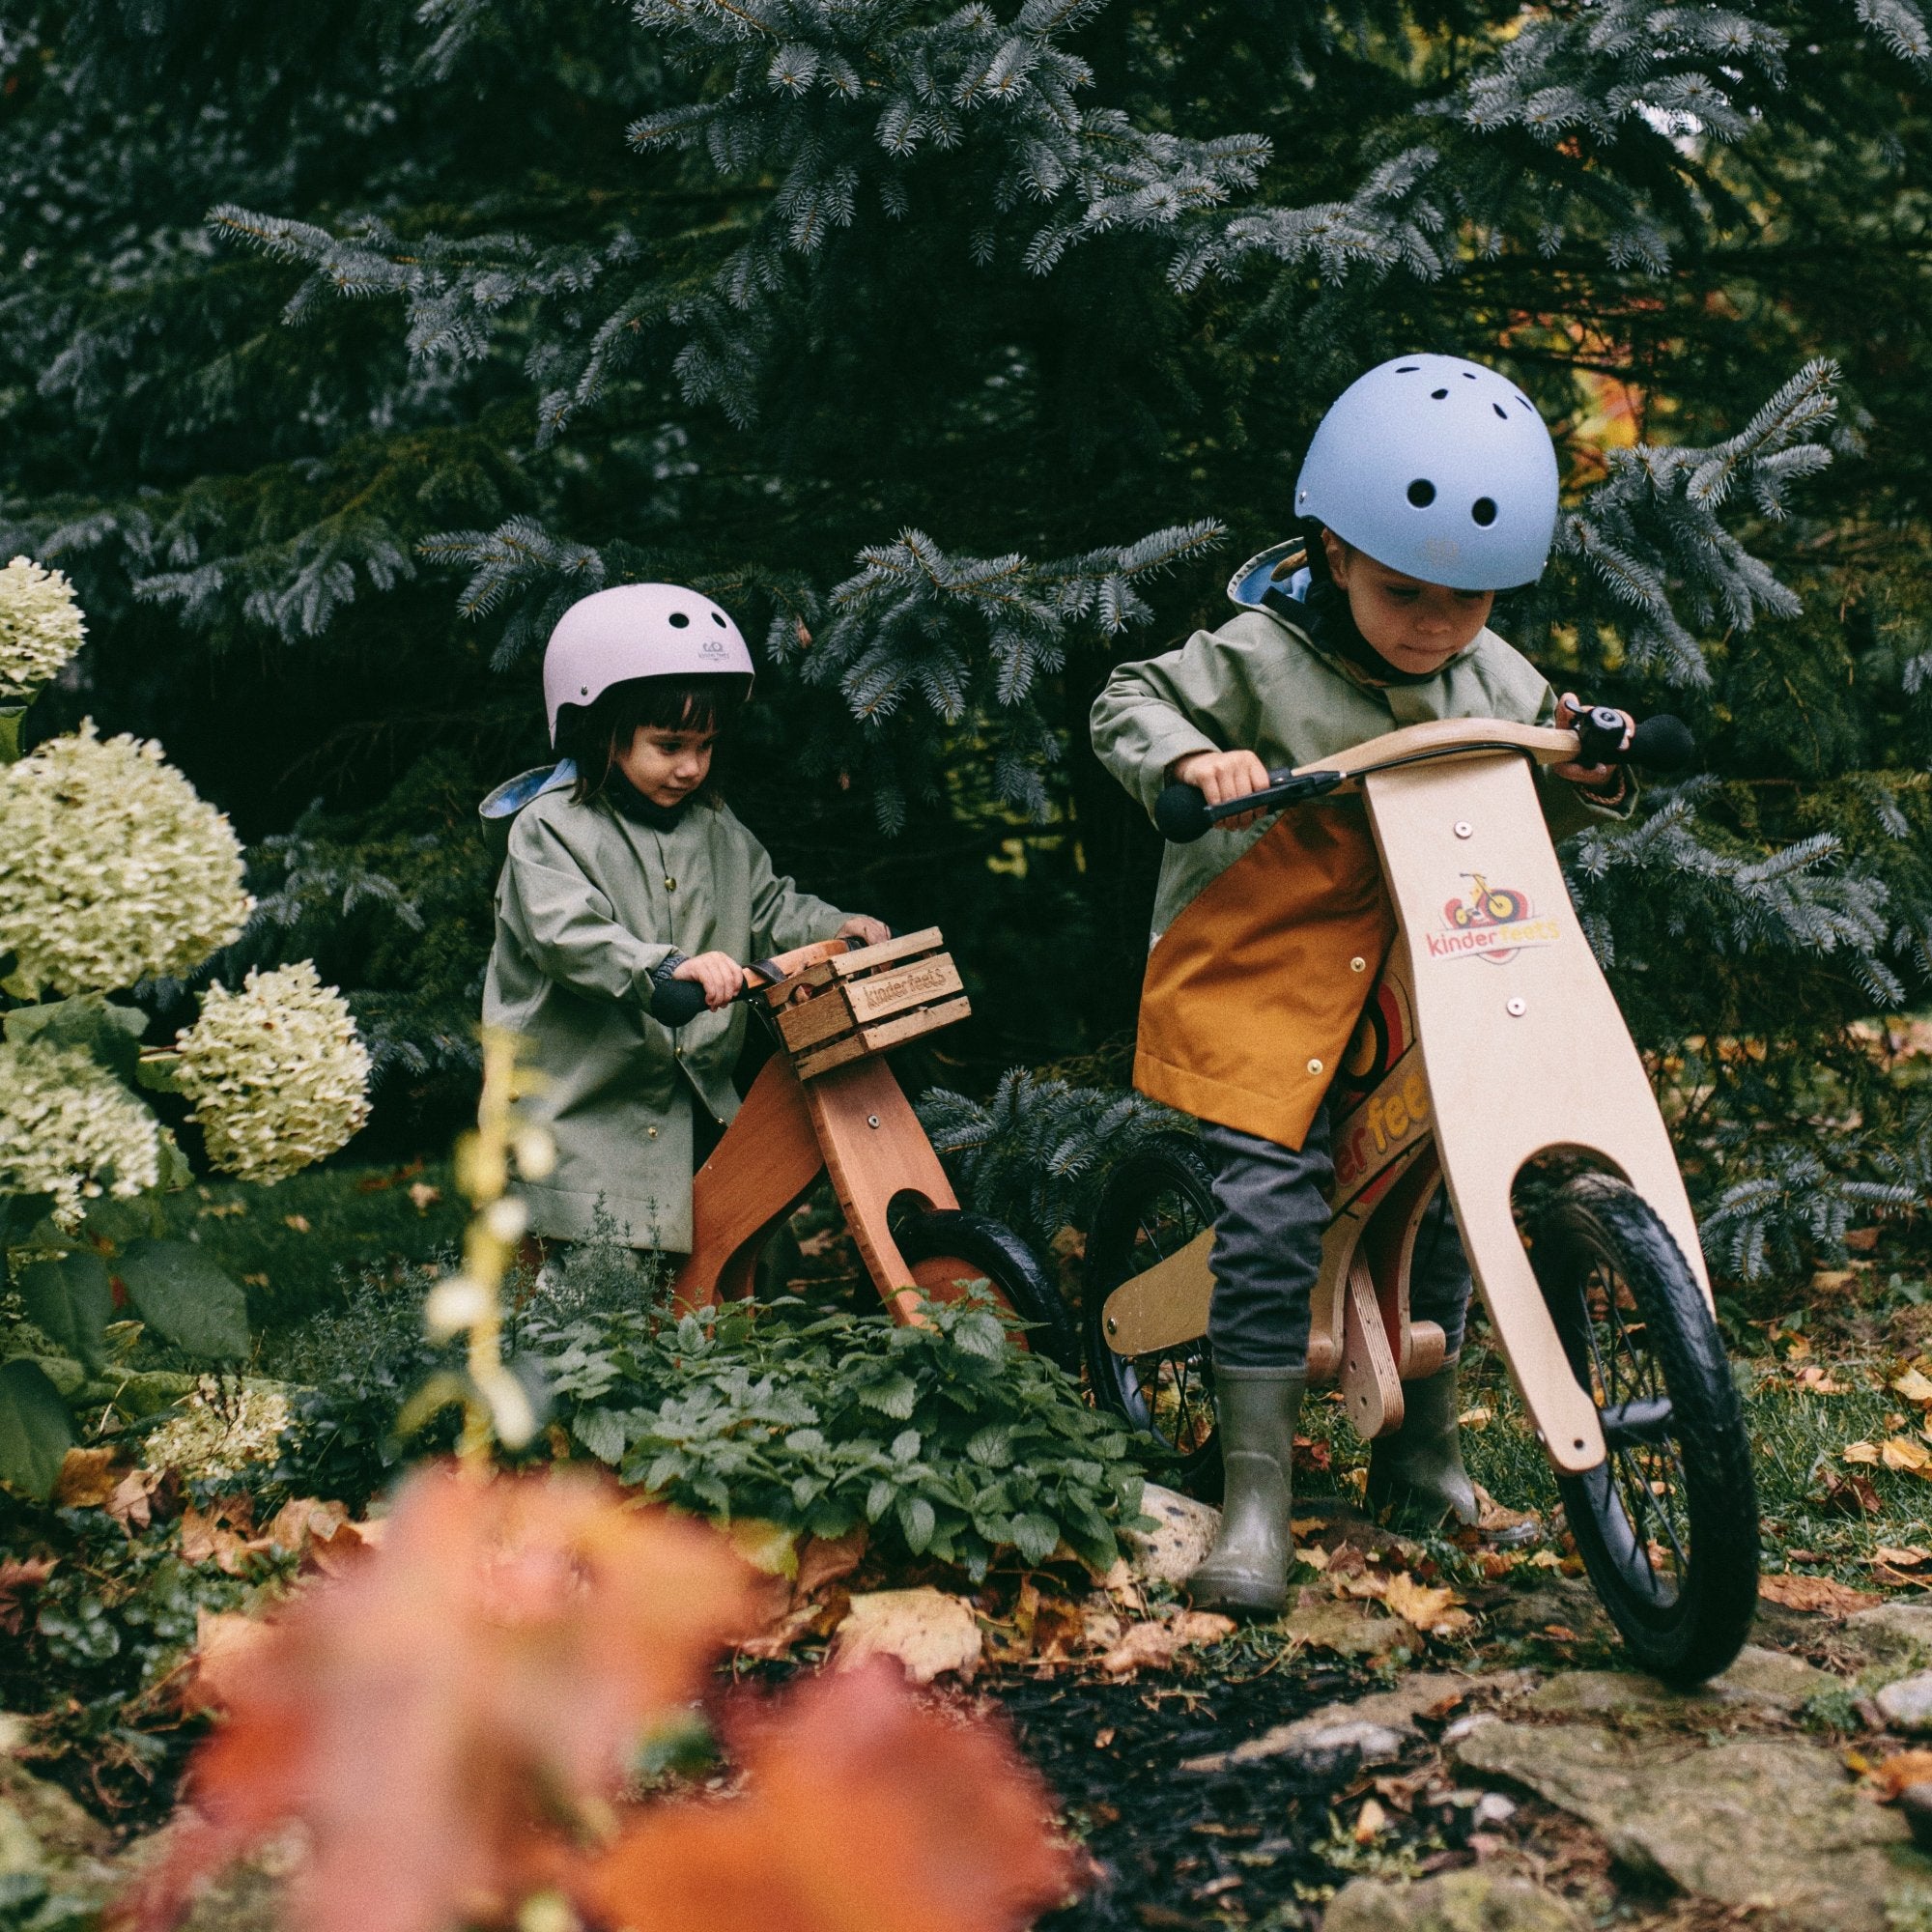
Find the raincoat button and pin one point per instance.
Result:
(671, 884)
(1315, 1066)
(1358, 964)
(650, 1133)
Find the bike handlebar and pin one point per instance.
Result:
(677, 1002)
(1660, 743)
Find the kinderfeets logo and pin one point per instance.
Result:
(1495, 922)
(713, 648)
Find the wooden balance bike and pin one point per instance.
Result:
(1489, 1052)
(828, 1101)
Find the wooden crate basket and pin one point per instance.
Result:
(863, 1003)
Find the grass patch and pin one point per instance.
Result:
(298, 1246)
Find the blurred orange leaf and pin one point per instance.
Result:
(860, 1811)
(1914, 1386)
(1901, 1452)
(1859, 1452)
(1902, 1770)
(485, 1671)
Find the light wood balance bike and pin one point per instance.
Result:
(1489, 1042)
(827, 1101)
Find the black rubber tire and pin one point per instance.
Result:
(1678, 1573)
(989, 1248)
(1155, 1202)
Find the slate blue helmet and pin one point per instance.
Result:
(1440, 469)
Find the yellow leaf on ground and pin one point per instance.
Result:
(88, 1477)
(1475, 1418)
(1901, 1452)
(1819, 1595)
(1370, 1821)
(1858, 1452)
(1907, 1558)
(1154, 1646)
(1430, 1610)
(1914, 1386)
(1313, 1555)
(927, 1631)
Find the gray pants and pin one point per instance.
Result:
(1270, 1212)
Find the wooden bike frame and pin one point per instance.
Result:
(1489, 1039)
(853, 1122)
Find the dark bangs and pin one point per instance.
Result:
(591, 735)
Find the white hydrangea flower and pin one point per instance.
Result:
(40, 627)
(278, 1075)
(113, 868)
(69, 1128)
(217, 1431)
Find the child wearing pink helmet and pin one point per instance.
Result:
(625, 870)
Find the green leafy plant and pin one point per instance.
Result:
(941, 1438)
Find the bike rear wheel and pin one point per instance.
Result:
(984, 1249)
(1156, 1202)
(1667, 1524)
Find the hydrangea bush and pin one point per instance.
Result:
(69, 1131)
(278, 1075)
(40, 627)
(113, 870)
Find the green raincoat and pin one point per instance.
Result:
(1254, 989)
(588, 903)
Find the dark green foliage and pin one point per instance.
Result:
(1036, 1152)
(945, 1440)
(115, 1616)
(896, 327)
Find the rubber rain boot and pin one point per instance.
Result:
(1246, 1570)
(1416, 1478)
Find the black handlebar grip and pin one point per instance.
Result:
(677, 1002)
(1661, 744)
(1181, 813)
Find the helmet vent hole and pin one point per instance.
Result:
(1410, 369)
(1500, 410)
(1436, 396)
(678, 620)
(1484, 510)
(1422, 493)
(1468, 375)
(718, 618)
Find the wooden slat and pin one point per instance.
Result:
(877, 1038)
(868, 958)
(811, 1021)
(922, 984)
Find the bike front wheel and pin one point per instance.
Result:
(1155, 1203)
(1666, 1524)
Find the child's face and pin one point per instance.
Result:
(1416, 626)
(667, 766)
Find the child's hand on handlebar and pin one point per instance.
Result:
(718, 972)
(1592, 778)
(1221, 775)
(864, 927)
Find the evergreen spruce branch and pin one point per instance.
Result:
(1651, 535)
(1794, 900)
(1901, 25)
(1035, 1153)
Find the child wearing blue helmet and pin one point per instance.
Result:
(1430, 486)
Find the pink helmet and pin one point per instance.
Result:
(638, 630)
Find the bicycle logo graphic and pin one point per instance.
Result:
(1494, 922)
